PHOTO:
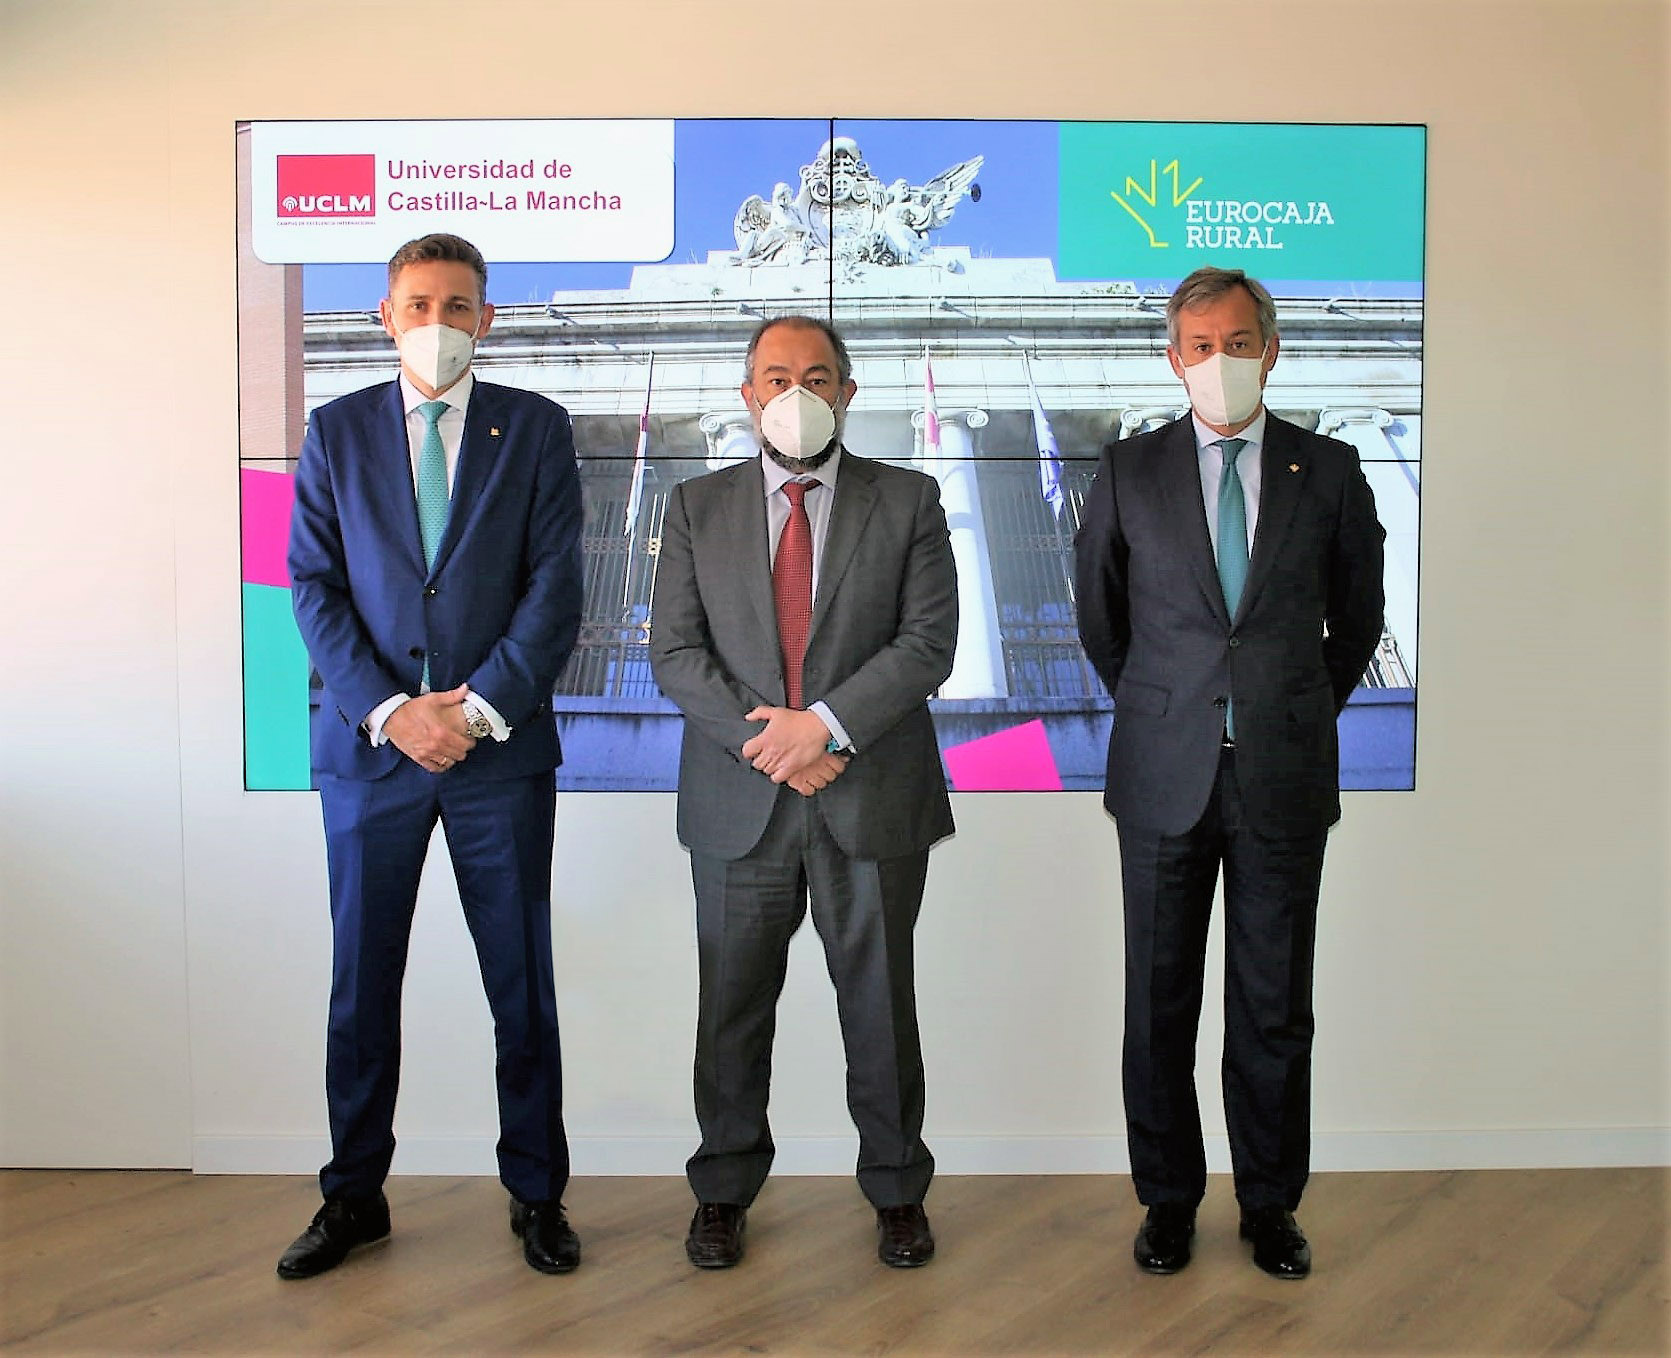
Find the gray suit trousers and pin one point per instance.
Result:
(747, 910)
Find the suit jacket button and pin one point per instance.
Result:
(430, 592)
(1218, 702)
(1235, 642)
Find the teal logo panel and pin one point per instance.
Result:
(1328, 203)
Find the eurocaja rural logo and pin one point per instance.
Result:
(1311, 202)
(327, 188)
(1208, 222)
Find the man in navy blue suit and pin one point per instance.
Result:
(436, 571)
(1229, 587)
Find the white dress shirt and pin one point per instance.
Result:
(451, 428)
(1211, 459)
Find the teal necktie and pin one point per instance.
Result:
(432, 480)
(433, 500)
(1232, 543)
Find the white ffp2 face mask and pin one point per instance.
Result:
(436, 354)
(797, 423)
(1225, 390)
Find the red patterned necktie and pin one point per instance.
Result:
(792, 587)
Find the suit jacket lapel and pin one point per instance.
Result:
(1282, 476)
(855, 496)
(1180, 474)
(746, 518)
(478, 455)
(391, 463)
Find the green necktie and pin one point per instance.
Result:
(1232, 544)
(433, 500)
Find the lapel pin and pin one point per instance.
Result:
(494, 433)
(1292, 466)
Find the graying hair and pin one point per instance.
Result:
(1206, 285)
(844, 363)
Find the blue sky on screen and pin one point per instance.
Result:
(1016, 216)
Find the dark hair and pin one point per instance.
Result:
(1207, 285)
(440, 245)
(844, 363)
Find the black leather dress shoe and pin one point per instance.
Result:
(1279, 1245)
(1162, 1244)
(903, 1238)
(548, 1241)
(716, 1235)
(337, 1227)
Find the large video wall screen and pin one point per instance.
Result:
(1001, 286)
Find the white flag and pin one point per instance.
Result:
(636, 494)
(1050, 456)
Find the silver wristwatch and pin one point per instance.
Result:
(476, 726)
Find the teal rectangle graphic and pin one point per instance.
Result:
(1330, 203)
(275, 694)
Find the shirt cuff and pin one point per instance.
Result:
(842, 741)
(373, 723)
(501, 732)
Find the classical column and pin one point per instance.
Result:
(1396, 484)
(978, 669)
(1141, 419)
(730, 438)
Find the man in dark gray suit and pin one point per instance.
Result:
(805, 609)
(1229, 579)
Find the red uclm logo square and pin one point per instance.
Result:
(326, 187)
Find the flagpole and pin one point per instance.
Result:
(635, 493)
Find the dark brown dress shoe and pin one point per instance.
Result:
(1279, 1245)
(548, 1241)
(1162, 1244)
(903, 1238)
(716, 1235)
(337, 1227)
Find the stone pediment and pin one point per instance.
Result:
(843, 211)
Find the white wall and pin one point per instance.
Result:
(1493, 956)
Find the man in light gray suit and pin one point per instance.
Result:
(805, 609)
(1229, 583)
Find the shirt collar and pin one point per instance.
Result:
(457, 395)
(1253, 436)
(776, 475)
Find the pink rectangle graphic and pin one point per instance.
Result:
(267, 500)
(1014, 760)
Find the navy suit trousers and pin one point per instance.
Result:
(1270, 930)
(499, 837)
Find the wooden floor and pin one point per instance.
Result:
(1506, 1262)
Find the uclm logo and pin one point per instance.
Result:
(318, 188)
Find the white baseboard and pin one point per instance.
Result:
(1565, 1148)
